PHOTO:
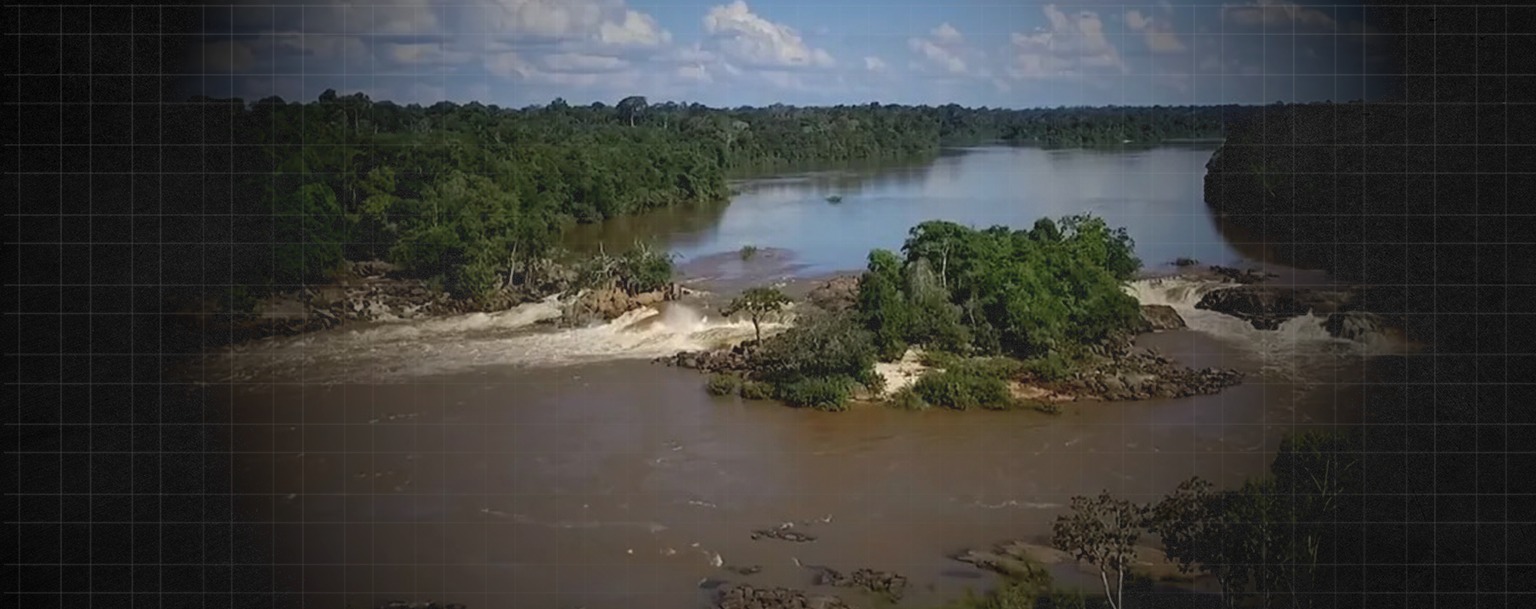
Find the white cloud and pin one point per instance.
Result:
(947, 34)
(1276, 12)
(747, 38)
(874, 64)
(1158, 33)
(1070, 47)
(606, 22)
(944, 51)
(637, 29)
(580, 63)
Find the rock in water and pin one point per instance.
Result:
(1160, 317)
(1354, 325)
(745, 597)
(1264, 307)
(890, 585)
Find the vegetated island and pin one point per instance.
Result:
(998, 318)
(346, 209)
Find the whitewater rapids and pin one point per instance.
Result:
(1299, 345)
(399, 351)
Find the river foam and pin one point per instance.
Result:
(402, 350)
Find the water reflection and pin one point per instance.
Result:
(1157, 194)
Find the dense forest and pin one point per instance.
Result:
(470, 194)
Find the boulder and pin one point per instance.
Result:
(838, 294)
(1263, 307)
(885, 583)
(1160, 317)
(1353, 325)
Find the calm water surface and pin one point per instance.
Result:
(1156, 194)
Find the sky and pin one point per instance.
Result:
(995, 53)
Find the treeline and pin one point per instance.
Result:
(473, 194)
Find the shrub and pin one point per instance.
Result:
(756, 390)
(963, 390)
(907, 399)
(822, 393)
(872, 381)
(748, 251)
(1052, 366)
(820, 346)
(723, 384)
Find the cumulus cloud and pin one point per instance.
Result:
(1276, 13)
(1070, 46)
(636, 29)
(874, 64)
(1158, 33)
(747, 38)
(944, 50)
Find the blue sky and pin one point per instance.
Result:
(998, 53)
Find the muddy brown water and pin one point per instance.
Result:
(484, 461)
(615, 484)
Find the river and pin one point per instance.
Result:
(482, 460)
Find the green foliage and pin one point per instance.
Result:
(723, 384)
(748, 252)
(817, 362)
(308, 237)
(821, 345)
(1050, 366)
(1272, 537)
(639, 269)
(819, 392)
(964, 389)
(1022, 293)
(1102, 531)
(756, 390)
(503, 181)
(907, 398)
(757, 303)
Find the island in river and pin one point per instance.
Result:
(487, 459)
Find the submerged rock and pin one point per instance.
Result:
(886, 583)
(784, 533)
(749, 597)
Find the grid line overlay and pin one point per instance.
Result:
(127, 492)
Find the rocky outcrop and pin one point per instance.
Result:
(838, 294)
(1266, 307)
(1160, 317)
(885, 583)
(607, 303)
(784, 532)
(1241, 276)
(1353, 325)
(732, 359)
(1144, 375)
(750, 597)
